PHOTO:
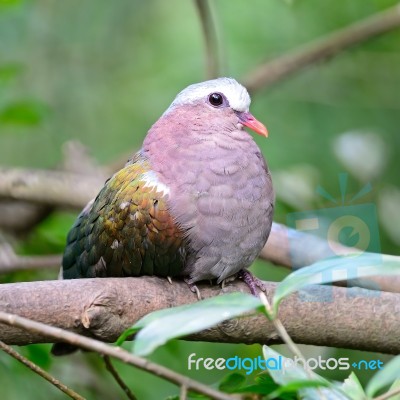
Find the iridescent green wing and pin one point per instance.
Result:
(126, 231)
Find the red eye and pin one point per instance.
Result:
(216, 99)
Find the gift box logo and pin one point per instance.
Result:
(343, 224)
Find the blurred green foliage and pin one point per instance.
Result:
(23, 112)
(102, 72)
(50, 235)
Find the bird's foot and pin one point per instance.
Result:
(193, 288)
(227, 280)
(251, 281)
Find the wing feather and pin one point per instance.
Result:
(126, 231)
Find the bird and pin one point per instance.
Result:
(195, 202)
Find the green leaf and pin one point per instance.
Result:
(160, 326)
(295, 386)
(296, 375)
(384, 377)
(9, 71)
(337, 269)
(126, 334)
(259, 389)
(39, 354)
(5, 3)
(26, 112)
(396, 385)
(352, 387)
(232, 382)
(264, 385)
(268, 387)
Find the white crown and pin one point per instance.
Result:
(236, 94)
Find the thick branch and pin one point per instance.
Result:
(103, 308)
(280, 68)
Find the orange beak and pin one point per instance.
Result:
(248, 120)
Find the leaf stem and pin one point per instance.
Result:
(388, 395)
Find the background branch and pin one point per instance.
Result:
(49, 187)
(210, 38)
(10, 261)
(104, 308)
(294, 249)
(118, 379)
(280, 68)
(18, 216)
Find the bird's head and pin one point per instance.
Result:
(220, 94)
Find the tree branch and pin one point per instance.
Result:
(280, 68)
(210, 37)
(105, 307)
(112, 351)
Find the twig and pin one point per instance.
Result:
(388, 395)
(116, 352)
(183, 393)
(280, 68)
(104, 308)
(121, 383)
(210, 37)
(45, 375)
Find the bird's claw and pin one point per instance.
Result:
(251, 281)
(193, 288)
